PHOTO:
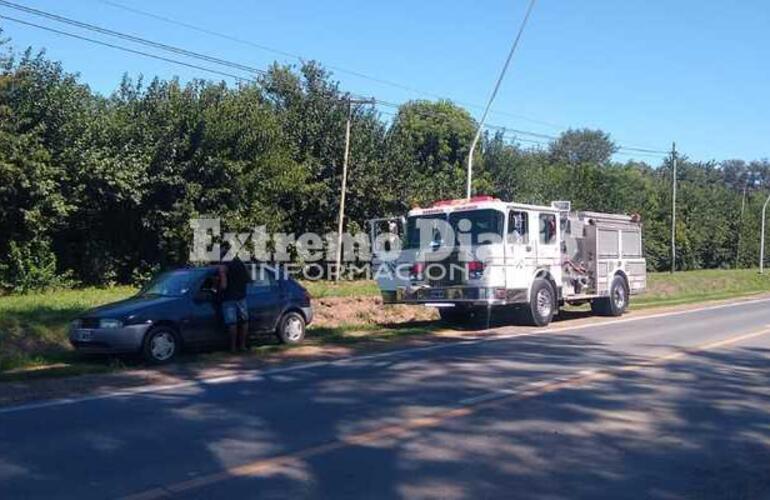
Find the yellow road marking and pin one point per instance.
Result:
(266, 465)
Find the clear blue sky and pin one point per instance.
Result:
(647, 72)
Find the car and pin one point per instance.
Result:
(180, 310)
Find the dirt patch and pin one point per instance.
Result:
(332, 312)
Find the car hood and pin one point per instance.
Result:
(128, 307)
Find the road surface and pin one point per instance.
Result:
(667, 406)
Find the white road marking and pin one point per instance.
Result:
(254, 375)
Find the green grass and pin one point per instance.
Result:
(699, 286)
(33, 328)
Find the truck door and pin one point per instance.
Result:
(519, 250)
(548, 252)
(386, 234)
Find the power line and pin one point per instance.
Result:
(300, 58)
(216, 60)
(131, 38)
(126, 49)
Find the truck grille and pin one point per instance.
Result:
(447, 272)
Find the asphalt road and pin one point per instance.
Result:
(669, 406)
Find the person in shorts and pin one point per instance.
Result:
(233, 278)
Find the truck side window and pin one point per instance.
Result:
(547, 229)
(518, 227)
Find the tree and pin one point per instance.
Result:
(576, 146)
(428, 144)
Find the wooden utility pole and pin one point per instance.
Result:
(673, 208)
(345, 180)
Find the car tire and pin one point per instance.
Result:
(616, 303)
(291, 328)
(542, 303)
(161, 345)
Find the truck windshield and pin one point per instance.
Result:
(413, 228)
(482, 226)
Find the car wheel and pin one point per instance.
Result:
(542, 303)
(291, 329)
(617, 302)
(161, 345)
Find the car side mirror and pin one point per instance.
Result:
(204, 296)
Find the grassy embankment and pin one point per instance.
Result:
(33, 327)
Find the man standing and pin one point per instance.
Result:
(233, 278)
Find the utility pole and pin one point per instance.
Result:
(673, 208)
(740, 221)
(468, 190)
(345, 180)
(762, 239)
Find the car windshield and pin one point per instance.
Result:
(172, 284)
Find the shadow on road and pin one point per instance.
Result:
(698, 427)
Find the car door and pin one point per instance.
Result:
(264, 299)
(202, 322)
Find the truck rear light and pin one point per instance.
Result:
(417, 270)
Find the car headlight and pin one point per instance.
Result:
(76, 324)
(110, 323)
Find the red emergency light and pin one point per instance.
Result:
(473, 199)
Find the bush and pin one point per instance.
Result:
(31, 266)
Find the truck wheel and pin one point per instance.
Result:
(161, 345)
(291, 329)
(542, 303)
(617, 302)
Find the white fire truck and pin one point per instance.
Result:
(497, 253)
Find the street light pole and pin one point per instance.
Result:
(762, 239)
(341, 217)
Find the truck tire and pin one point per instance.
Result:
(617, 302)
(542, 303)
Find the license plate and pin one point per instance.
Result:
(84, 335)
(436, 294)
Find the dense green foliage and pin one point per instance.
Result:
(103, 187)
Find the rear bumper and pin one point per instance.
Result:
(468, 295)
(108, 340)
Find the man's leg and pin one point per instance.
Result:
(243, 324)
(243, 330)
(233, 330)
(230, 315)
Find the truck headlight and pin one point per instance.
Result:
(75, 324)
(110, 323)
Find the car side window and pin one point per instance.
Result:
(210, 283)
(518, 227)
(263, 280)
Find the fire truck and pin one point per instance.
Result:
(467, 257)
